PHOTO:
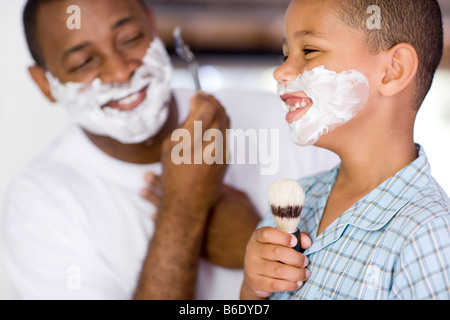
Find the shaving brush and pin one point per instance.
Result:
(286, 198)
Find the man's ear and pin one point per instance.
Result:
(401, 68)
(38, 75)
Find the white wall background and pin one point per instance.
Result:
(28, 123)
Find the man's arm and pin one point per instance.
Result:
(189, 191)
(229, 227)
(170, 269)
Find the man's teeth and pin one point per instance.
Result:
(130, 99)
(297, 106)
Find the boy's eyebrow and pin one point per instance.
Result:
(311, 33)
(305, 33)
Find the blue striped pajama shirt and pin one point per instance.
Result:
(392, 244)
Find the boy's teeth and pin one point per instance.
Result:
(130, 99)
(297, 106)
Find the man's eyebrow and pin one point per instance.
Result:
(83, 45)
(76, 48)
(123, 21)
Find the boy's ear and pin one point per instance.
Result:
(401, 68)
(38, 75)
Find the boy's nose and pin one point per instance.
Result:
(285, 73)
(118, 69)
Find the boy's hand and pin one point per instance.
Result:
(272, 265)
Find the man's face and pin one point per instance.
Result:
(315, 36)
(110, 45)
(112, 75)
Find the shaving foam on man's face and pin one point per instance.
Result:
(128, 112)
(320, 100)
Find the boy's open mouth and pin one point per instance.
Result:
(297, 104)
(129, 102)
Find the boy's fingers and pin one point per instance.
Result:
(267, 284)
(305, 240)
(281, 271)
(283, 254)
(269, 235)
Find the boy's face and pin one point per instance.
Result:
(110, 45)
(315, 36)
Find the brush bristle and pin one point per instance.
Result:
(286, 193)
(286, 198)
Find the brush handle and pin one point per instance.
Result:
(297, 235)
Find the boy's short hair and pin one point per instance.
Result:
(416, 22)
(30, 14)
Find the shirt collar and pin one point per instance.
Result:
(376, 209)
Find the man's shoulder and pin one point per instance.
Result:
(50, 175)
(43, 179)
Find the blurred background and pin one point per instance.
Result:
(238, 45)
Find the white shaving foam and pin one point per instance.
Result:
(84, 101)
(337, 98)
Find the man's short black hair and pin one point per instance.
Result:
(30, 14)
(416, 22)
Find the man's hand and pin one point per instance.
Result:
(272, 265)
(196, 187)
(188, 192)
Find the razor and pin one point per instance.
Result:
(185, 53)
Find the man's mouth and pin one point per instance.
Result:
(129, 102)
(297, 104)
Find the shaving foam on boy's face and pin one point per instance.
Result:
(128, 112)
(333, 99)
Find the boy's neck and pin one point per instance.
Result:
(379, 147)
(379, 152)
(367, 168)
(363, 168)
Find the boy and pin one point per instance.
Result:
(379, 224)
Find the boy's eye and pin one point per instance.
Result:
(283, 58)
(308, 51)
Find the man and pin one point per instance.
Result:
(76, 225)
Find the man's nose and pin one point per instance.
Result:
(118, 68)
